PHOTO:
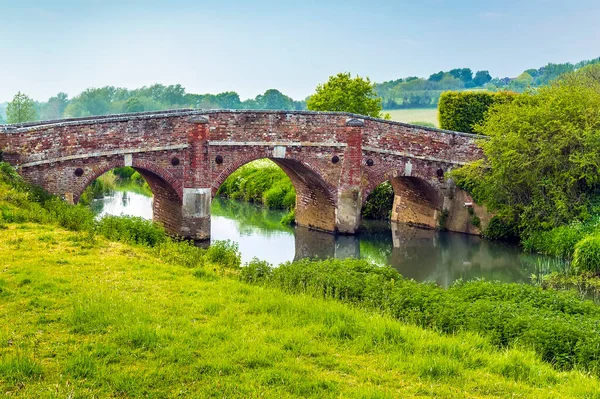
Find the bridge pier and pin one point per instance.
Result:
(195, 220)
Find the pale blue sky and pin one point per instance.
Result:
(209, 47)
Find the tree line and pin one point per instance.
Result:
(415, 92)
(114, 100)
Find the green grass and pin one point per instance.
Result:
(106, 319)
(414, 115)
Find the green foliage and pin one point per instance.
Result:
(442, 219)
(225, 254)
(561, 240)
(130, 229)
(379, 203)
(342, 93)
(560, 327)
(502, 229)
(586, 257)
(20, 109)
(462, 111)
(260, 182)
(541, 159)
(289, 219)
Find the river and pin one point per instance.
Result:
(423, 255)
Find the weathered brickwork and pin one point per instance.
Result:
(333, 159)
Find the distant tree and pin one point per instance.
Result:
(274, 99)
(20, 109)
(436, 77)
(481, 78)
(464, 74)
(228, 100)
(133, 104)
(55, 107)
(346, 94)
(522, 82)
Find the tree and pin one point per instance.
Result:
(344, 94)
(274, 99)
(481, 78)
(133, 104)
(20, 109)
(464, 74)
(55, 107)
(541, 167)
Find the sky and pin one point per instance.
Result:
(250, 46)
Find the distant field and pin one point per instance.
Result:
(414, 115)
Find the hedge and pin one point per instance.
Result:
(461, 111)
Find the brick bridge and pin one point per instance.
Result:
(333, 159)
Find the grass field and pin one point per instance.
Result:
(414, 115)
(85, 318)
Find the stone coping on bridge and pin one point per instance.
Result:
(33, 126)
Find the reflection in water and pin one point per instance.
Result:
(123, 203)
(423, 255)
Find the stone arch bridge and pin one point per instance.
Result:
(333, 159)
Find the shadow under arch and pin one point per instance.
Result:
(166, 190)
(315, 198)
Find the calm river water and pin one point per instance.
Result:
(424, 255)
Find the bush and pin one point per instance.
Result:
(500, 228)
(586, 257)
(261, 182)
(133, 230)
(379, 203)
(461, 111)
(289, 219)
(225, 254)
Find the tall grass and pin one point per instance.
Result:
(560, 327)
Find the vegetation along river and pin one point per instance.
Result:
(423, 255)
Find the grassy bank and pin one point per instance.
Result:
(99, 319)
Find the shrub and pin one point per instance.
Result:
(379, 203)
(225, 254)
(134, 230)
(500, 228)
(289, 219)
(586, 257)
(461, 111)
(261, 182)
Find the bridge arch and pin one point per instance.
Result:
(315, 197)
(166, 190)
(417, 199)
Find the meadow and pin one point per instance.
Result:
(410, 115)
(92, 318)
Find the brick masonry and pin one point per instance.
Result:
(333, 159)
